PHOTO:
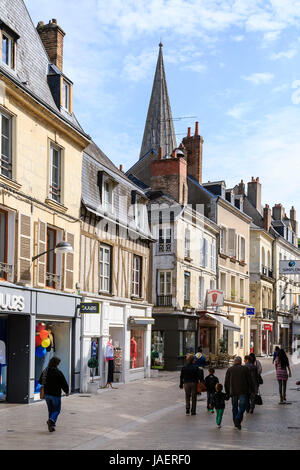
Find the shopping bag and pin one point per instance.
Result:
(201, 387)
(258, 400)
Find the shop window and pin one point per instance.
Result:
(95, 355)
(137, 348)
(137, 276)
(5, 145)
(55, 173)
(157, 350)
(52, 339)
(3, 358)
(187, 342)
(105, 268)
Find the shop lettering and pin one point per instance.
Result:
(12, 302)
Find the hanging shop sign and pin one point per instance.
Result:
(289, 267)
(268, 327)
(90, 307)
(215, 298)
(13, 303)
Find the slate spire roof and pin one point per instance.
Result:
(159, 128)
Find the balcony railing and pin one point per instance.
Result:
(164, 247)
(164, 300)
(5, 271)
(53, 280)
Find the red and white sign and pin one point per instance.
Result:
(215, 298)
(268, 327)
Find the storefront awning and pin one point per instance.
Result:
(140, 321)
(225, 322)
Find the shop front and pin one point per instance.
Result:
(266, 338)
(122, 333)
(35, 325)
(296, 337)
(174, 335)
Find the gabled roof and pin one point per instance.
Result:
(33, 64)
(159, 128)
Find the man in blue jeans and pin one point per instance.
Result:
(53, 381)
(238, 385)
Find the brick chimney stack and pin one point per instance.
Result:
(52, 37)
(294, 222)
(278, 212)
(194, 145)
(267, 217)
(254, 193)
(169, 175)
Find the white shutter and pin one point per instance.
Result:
(231, 242)
(69, 264)
(41, 247)
(24, 249)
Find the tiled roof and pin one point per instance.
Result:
(32, 60)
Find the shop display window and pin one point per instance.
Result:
(3, 358)
(157, 350)
(137, 349)
(52, 339)
(187, 342)
(95, 355)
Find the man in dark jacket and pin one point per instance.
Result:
(53, 381)
(189, 378)
(238, 385)
(211, 381)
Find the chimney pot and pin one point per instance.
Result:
(189, 132)
(197, 128)
(121, 167)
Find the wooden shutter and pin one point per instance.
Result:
(41, 247)
(231, 242)
(69, 264)
(24, 249)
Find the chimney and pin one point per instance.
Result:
(52, 37)
(278, 212)
(241, 188)
(294, 222)
(254, 193)
(169, 175)
(193, 145)
(121, 167)
(267, 218)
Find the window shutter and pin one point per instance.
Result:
(231, 242)
(24, 249)
(100, 183)
(41, 247)
(69, 264)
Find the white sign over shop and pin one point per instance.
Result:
(215, 298)
(289, 267)
(13, 303)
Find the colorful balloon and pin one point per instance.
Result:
(40, 326)
(46, 343)
(44, 334)
(40, 351)
(38, 340)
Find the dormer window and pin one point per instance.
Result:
(66, 95)
(8, 50)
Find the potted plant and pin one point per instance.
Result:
(93, 364)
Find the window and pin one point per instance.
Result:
(107, 196)
(55, 173)
(223, 283)
(243, 249)
(212, 256)
(51, 258)
(5, 145)
(66, 95)
(242, 290)
(8, 52)
(232, 242)
(187, 282)
(187, 342)
(3, 244)
(233, 291)
(165, 283)
(105, 268)
(187, 244)
(203, 252)
(165, 240)
(136, 276)
(212, 284)
(223, 240)
(137, 348)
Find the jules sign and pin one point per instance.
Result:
(12, 303)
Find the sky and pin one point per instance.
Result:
(232, 65)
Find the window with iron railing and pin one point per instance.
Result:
(165, 241)
(53, 279)
(164, 297)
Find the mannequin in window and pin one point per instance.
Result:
(109, 357)
(133, 352)
(51, 348)
(2, 364)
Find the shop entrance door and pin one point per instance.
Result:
(18, 358)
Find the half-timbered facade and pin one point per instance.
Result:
(114, 270)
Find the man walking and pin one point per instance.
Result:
(189, 378)
(238, 385)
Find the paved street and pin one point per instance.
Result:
(150, 414)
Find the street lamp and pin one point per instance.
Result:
(61, 247)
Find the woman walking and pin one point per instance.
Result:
(53, 381)
(189, 378)
(283, 372)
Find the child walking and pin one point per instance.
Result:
(210, 381)
(219, 403)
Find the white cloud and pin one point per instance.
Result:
(259, 78)
(238, 38)
(239, 110)
(284, 54)
(271, 36)
(197, 67)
